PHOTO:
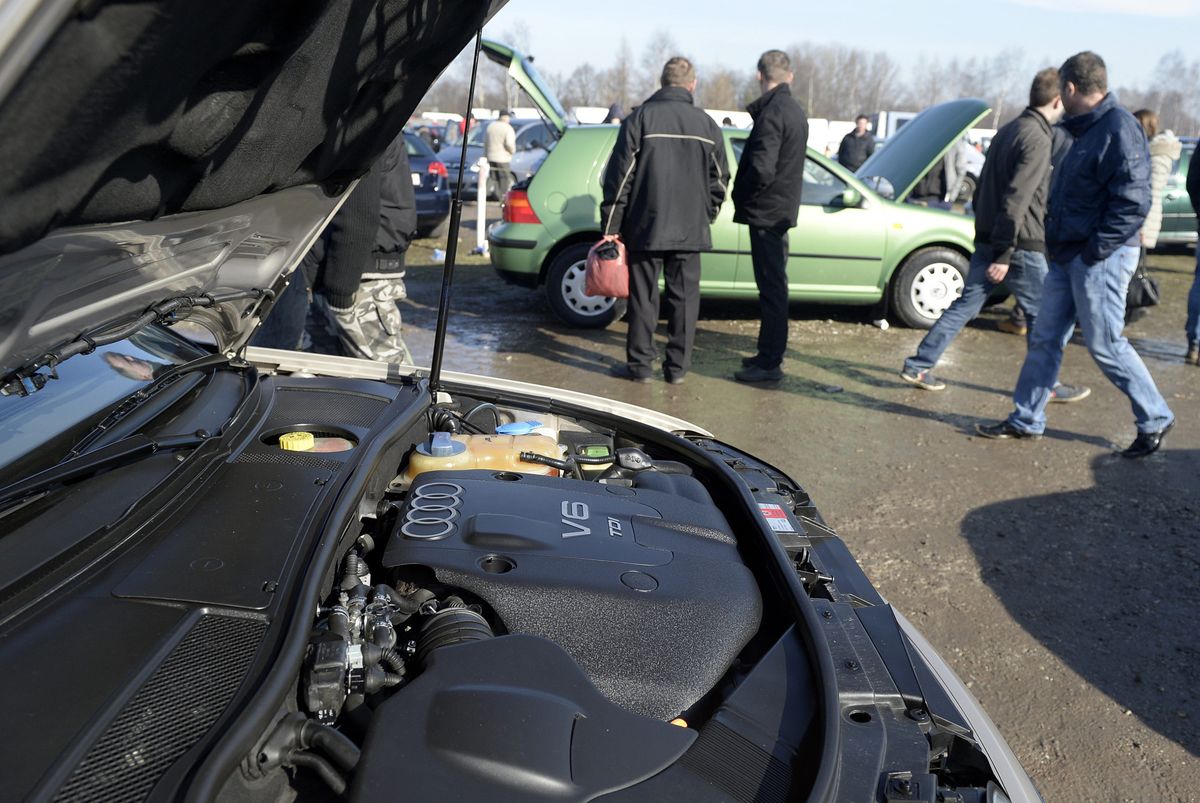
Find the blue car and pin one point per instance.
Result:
(430, 184)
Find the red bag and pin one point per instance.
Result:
(607, 272)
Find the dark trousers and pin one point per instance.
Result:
(503, 177)
(769, 250)
(682, 270)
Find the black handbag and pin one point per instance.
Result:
(1143, 290)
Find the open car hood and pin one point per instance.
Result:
(520, 68)
(144, 161)
(919, 144)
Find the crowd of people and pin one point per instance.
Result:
(1066, 204)
(1061, 213)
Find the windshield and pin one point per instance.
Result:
(87, 385)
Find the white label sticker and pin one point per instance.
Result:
(776, 518)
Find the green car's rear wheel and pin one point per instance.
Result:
(926, 284)
(565, 292)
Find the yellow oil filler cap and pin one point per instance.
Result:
(297, 441)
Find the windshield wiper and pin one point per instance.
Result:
(30, 379)
(122, 452)
(139, 398)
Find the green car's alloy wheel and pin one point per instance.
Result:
(926, 284)
(565, 292)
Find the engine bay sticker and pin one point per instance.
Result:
(776, 517)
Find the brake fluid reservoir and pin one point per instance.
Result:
(446, 452)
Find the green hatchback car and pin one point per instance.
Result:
(1179, 219)
(857, 241)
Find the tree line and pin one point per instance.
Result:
(833, 81)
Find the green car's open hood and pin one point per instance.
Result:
(915, 148)
(520, 69)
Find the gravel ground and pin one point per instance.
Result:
(1059, 581)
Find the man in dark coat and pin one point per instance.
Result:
(1099, 197)
(1010, 231)
(766, 197)
(664, 184)
(857, 146)
(1193, 309)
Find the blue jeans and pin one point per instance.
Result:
(1193, 315)
(1096, 295)
(1026, 273)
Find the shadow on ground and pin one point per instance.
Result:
(1083, 572)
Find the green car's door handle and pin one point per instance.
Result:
(1173, 195)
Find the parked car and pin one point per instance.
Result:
(854, 244)
(475, 152)
(1179, 219)
(243, 574)
(534, 141)
(430, 185)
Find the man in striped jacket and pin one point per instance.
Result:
(664, 184)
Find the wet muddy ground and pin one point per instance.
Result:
(1058, 580)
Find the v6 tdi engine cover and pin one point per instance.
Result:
(642, 586)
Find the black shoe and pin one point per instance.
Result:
(750, 362)
(623, 371)
(1002, 430)
(1193, 354)
(673, 378)
(1146, 443)
(755, 373)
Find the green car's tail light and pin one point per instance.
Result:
(517, 208)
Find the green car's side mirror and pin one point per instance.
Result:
(851, 198)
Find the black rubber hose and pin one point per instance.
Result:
(584, 460)
(339, 622)
(406, 605)
(352, 570)
(392, 660)
(343, 752)
(568, 465)
(323, 768)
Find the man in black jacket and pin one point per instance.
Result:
(766, 197)
(857, 146)
(1010, 231)
(1099, 197)
(664, 184)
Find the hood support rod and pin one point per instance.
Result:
(439, 339)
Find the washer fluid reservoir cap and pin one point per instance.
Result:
(297, 441)
(518, 428)
(442, 445)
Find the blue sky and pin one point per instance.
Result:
(1131, 35)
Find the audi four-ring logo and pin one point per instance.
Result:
(432, 511)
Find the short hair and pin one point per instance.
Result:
(1086, 71)
(1045, 88)
(862, 117)
(1149, 120)
(775, 65)
(678, 71)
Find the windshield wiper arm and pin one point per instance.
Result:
(126, 450)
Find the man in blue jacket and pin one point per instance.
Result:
(1099, 197)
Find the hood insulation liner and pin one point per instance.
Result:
(135, 110)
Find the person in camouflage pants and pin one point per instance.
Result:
(356, 270)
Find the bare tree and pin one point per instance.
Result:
(719, 88)
(659, 49)
(620, 80)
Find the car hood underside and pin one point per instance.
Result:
(126, 112)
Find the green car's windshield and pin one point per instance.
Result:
(86, 386)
